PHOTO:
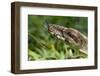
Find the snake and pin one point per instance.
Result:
(71, 36)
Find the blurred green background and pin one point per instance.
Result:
(43, 46)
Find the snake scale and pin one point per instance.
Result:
(70, 36)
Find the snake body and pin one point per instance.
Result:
(69, 35)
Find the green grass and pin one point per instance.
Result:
(43, 46)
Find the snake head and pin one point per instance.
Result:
(56, 30)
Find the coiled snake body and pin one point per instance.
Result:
(69, 35)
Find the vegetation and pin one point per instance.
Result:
(43, 46)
